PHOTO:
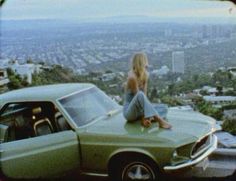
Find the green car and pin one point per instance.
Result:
(49, 131)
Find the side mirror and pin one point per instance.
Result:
(3, 133)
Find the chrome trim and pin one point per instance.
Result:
(199, 159)
(208, 134)
(207, 143)
(73, 93)
(94, 174)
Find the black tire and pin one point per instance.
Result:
(135, 168)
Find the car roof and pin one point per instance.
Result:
(43, 93)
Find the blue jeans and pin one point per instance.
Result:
(139, 107)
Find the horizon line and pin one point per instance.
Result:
(134, 18)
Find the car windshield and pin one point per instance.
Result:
(84, 107)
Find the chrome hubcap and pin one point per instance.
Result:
(137, 171)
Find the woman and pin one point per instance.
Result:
(137, 105)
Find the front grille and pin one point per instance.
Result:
(201, 146)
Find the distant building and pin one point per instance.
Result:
(212, 91)
(233, 35)
(162, 71)
(179, 79)
(212, 31)
(4, 63)
(25, 70)
(178, 62)
(216, 31)
(168, 32)
(182, 108)
(206, 31)
(188, 99)
(108, 76)
(220, 100)
(230, 113)
(82, 71)
(232, 70)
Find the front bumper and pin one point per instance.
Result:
(197, 160)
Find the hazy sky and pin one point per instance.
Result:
(90, 9)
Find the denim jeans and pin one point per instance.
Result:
(139, 107)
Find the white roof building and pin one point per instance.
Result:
(232, 70)
(4, 63)
(108, 76)
(3, 77)
(219, 99)
(25, 70)
(162, 71)
(182, 108)
(210, 90)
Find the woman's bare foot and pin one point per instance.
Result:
(146, 122)
(162, 123)
(165, 125)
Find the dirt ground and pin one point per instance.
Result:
(231, 178)
(166, 178)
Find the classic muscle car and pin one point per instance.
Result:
(48, 131)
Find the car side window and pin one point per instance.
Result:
(31, 119)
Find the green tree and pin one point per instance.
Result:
(229, 125)
(108, 71)
(29, 61)
(15, 80)
(153, 94)
(208, 109)
(219, 89)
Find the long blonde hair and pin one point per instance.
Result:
(138, 67)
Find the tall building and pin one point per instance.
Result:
(168, 32)
(178, 62)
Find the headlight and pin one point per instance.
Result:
(176, 159)
(175, 154)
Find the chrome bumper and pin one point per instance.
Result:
(197, 160)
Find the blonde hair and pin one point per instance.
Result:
(138, 67)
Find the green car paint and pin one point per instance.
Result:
(90, 148)
(42, 156)
(106, 137)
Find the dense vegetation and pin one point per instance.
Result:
(230, 125)
(16, 81)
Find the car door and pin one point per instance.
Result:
(40, 157)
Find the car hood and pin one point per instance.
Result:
(187, 127)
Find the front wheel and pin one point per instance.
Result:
(136, 169)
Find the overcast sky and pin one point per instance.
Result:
(92, 9)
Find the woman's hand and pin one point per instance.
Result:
(146, 122)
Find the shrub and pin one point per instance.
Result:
(229, 125)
